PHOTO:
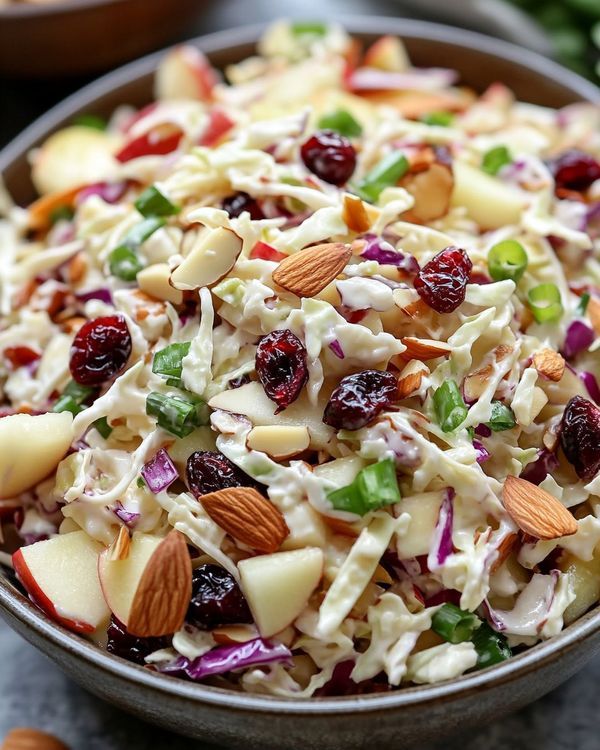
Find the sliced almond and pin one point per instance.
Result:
(164, 591)
(231, 634)
(549, 364)
(24, 738)
(476, 382)
(279, 441)
(431, 190)
(593, 313)
(506, 546)
(535, 511)
(210, 259)
(120, 547)
(248, 517)
(502, 351)
(339, 526)
(424, 349)
(410, 378)
(308, 272)
(154, 280)
(354, 214)
(76, 267)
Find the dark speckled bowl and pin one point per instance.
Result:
(408, 716)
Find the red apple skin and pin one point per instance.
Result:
(38, 597)
(265, 252)
(206, 76)
(146, 145)
(218, 124)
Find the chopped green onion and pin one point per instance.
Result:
(142, 231)
(91, 121)
(124, 263)
(103, 427)
(72, 398)
(384, 174)
(449, 406)
(438, 118)
(153, 203)
(342, 122)
(494, 159)
(373, 487)
(507, 260)
(175, 383)
(179, 415)
(583, 303)
(61, 213)
(168, 361)
(454, 624)
(314, 28)
(140, 483)
(68, 403)
(491, 647)
(502, 417)
(545, 303)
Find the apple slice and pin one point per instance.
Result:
(490, 202)
(185, 73)
(201, 439)
(278, 586)
(279, 441)
(387, 53)
(154, 280)
(212, 257)
(119, 579)
(61, 577)
(30, 448)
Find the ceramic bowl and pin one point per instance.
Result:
(408, 716)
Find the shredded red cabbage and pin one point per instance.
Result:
(483, 430)
(422, 79)
(536, 471)
(442, 539)
(481, 451)
(385, 253)
(160, 472)
(336, 348)
(128, 518)
(102, 294)
(579, 337)
(590, 382)
(110, 192)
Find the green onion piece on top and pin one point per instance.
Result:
(168, 361)
(179, 415)
(583, 304)
(384, 174)
(153, 203)
(61, 213)
(314, 28)
(72, 398)
(491, 647)
(142, 231)
(444, 119)
(545, 303)
(140, 483)
(502, 417)
(103, 427)
(124, 263)
(494, 159)
(454, 624)
(374, 487)
(342, 122)
(91, 121)
(507, 260)
(449, 406)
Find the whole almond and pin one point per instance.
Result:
(308, 272)
(535, 511)
(354, 214)
(410, 378)
(424, 349)
(164, 591)
(549, 364)
(247, 516)
(24, 738)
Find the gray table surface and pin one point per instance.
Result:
(35, 693)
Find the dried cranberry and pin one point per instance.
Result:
(359, 398)
(130, 647)
(239, 381)
(574, 170)
(240, 202)
(580, 436)
(281, 366)
(216, 599)
(100, 350)
(21, 356)
(330, 156)
(442, 282)
(341, 683)
(209, 471)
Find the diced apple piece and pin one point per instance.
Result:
(154, 280)
(30, 448)
(307, 528)
(279, 441)
(251, 401)
(489, 202)
(340, 471)
(387, 53)
(61, 576)
(74, 156)
(120, 578)
(423, 510)
(585, 581)
(209, 260)
(185, 73)
(278, 586)
(201, 439)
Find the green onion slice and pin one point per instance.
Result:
(545, 303)
(491, 647)
(61, 213)
(507, 260)
(142, 231)
(154, 203)
(124, 263)
(314, 28)
(384, 174)
(179, 415)
(374, 487)
(103, 427)
(438, 118)
(90, 121)
(583, 304)
(168, 361)
(502, 417)
(494, 159)
(454, 624)
(342, 122)
(449, 406)
(73, 398)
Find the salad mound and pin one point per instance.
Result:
(298, 371)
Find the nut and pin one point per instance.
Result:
(506, 546)
(431, 190)
(120, 547)
(279, 441)
(246, 516)
(424, 349)
(308, 272)
(535, 511)
(24, 738)
(410, 378)
(475, 383)
(354, 214)
(549, 364)
(593, 313)
(211, 258)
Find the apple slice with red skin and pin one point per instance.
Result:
(185, 73)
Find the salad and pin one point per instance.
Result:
(298, 372)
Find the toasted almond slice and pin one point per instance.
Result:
(164, 591)
(120, 547)
(535, 511)
(231, 634)
(502, 351)
(424, 349)
(339, 526)
(381, 576)
(593, 313)
(475, 383)
(308, 272)
(76, 267)
(210, 259)
(25, 738)
(549, 364)
(246, 516)
(411, 377)
(431, 190)
(39, 213)
(279, 441)
(506, 546)
(354, 214)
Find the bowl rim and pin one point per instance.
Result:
(19, 607)
(29, 10)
